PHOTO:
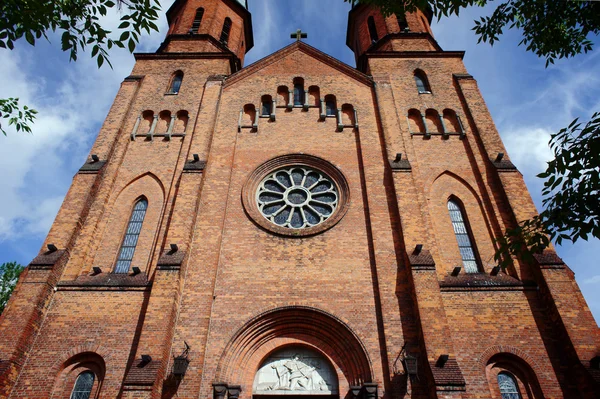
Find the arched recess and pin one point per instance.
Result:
(521, 371)
(448, 185)
(69, 370)
(299, 326)
(149, 187)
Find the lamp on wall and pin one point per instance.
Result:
(418, 249)
(95, 158)
(456, 271)
(181, 362)
(442, 360)
(174, 248)
(136, 270)
(97, 270)
(51, 248)
(495, 271)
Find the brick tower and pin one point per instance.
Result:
(295, 228)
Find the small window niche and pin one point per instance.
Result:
(434, 123)
(314, 97)
(422, 82)
(415, 122)
(299, 94)
(147, 121)
(283, 97)
(347, 118)
(181, 122)
(248, 119)
(267, 107)
(329, 109)
(175, 84)
(453, 123)
(164, 122)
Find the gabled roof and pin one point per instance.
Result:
(307, 49)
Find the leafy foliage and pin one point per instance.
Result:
(78, 21)
(551, 29)
(9, 274)
(571, 194)
(9, 109)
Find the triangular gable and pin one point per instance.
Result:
(306, 49)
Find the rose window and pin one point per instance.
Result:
(297, 197)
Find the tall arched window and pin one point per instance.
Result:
(372, 29)
(508, 386)
(83, 385)
(298, 91)
(463, 236)
(131, 236)
(225, 31)
(421, 81)
(176, 83)
(197, 20)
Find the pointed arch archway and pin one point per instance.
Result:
(298, 326)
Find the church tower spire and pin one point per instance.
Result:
(209, 26)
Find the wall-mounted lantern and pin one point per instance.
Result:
(181, 362)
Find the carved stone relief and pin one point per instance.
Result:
(296, 371)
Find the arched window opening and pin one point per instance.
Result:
(181, 122)
(421, 81)
(508, 386)
(164, 120)
(132, 234)
(197, 20)
(434, 124)
(283, 96)
(463, 236)
(348, 118)
(372, 29)
(148, 117)
(175, 85)
(83, 385)
(415, 122)
(451, 121)
(266, 107)
(298, 92)
(249, 115)
(402, 24)
(225, 31)
(314, 96)
(330, 105)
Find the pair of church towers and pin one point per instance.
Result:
(295, 228)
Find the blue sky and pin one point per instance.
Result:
(528, 102)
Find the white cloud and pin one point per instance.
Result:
(528, 147)
(592, 280)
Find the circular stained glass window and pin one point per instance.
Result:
(297, 197)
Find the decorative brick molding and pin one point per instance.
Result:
(505, 166)
(133, 78)
(549, 260)
(483, 281)
(142, 373)
(92, 167)
(46, 260)
(170, 260)
(421, 261)
(107, 281)
(462, 76)
(402, 164)
(449, 376)
(194, 166)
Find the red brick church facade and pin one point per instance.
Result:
(303, 227)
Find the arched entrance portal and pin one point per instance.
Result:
(295, 370)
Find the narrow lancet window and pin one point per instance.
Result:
(330, 106)
(266, 108)
(226, 30)
(131, 236)
(421, 81)
(197, 20)
(83, 386)
(372, 29)
(298, 93)
(508, 386)
(463, 237)
(176, 83)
